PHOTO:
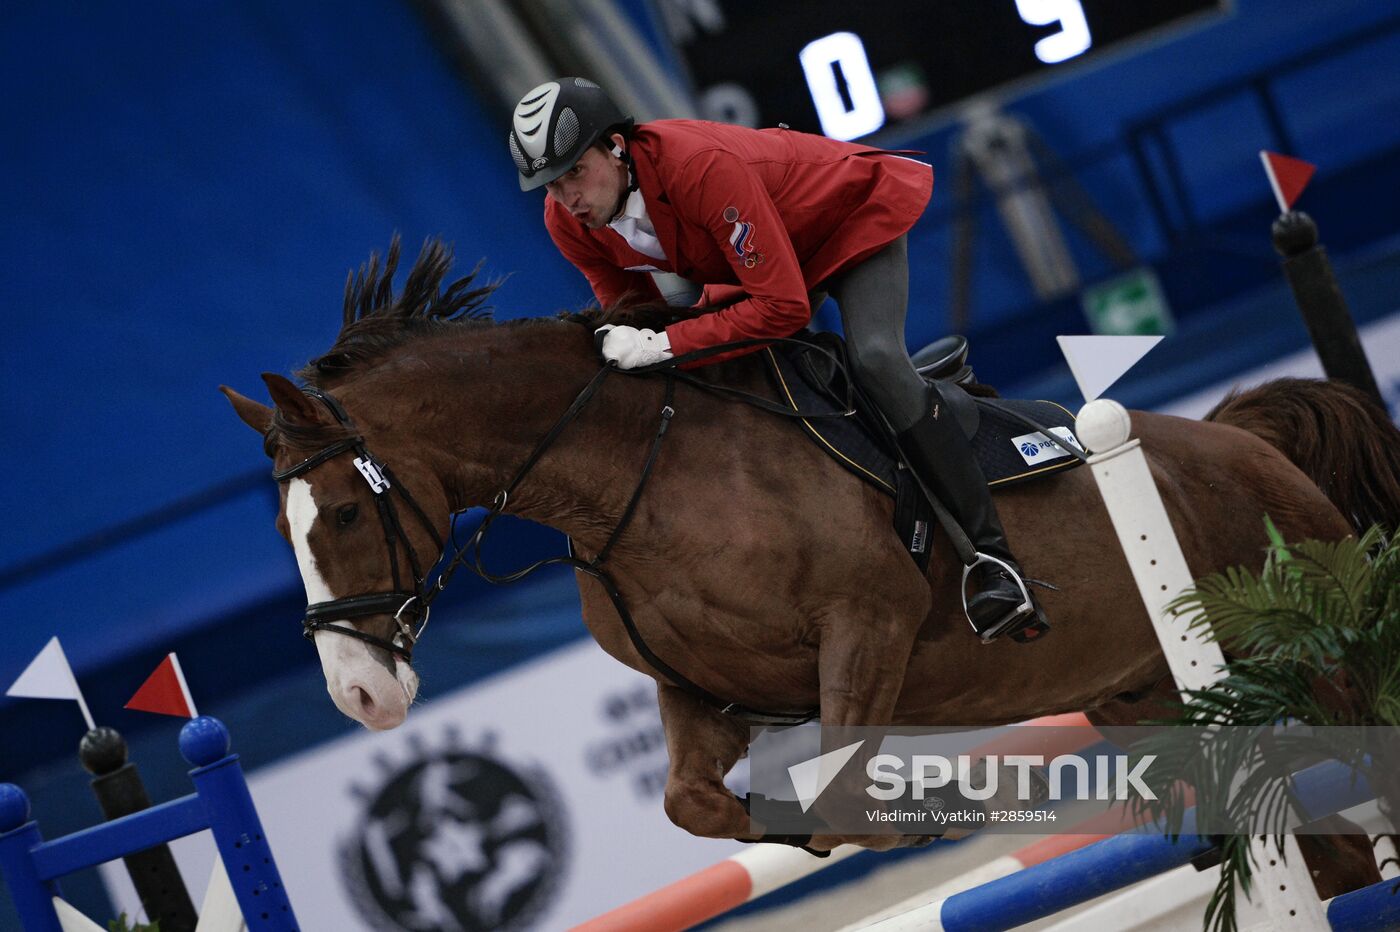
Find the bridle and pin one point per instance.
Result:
(413, 607)
(409, 609)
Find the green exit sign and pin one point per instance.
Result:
(1131, 304)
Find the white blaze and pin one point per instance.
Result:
(301, 515)
(346, 662)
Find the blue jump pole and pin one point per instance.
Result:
(1068, 880)
(1114, 863)
(1371, 909)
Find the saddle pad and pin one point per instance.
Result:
(851, 441)
(1008, 449)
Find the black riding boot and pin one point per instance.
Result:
(939, 452)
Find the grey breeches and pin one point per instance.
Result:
(873, 297)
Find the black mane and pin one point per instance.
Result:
(375, 321)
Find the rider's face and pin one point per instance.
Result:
(591, 190)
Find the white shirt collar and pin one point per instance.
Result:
(635, 208)
(634, 225)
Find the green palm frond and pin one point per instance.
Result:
(1235, 874)
(1316, 634)
(1341, 574)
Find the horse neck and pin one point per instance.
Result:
(499, 392)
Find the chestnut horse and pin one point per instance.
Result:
(755, 568)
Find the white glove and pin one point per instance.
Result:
(631, 348)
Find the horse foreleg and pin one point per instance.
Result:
(861, 659)
(703, 746)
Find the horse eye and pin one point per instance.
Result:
(346, 514)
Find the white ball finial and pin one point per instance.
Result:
(1102, 425)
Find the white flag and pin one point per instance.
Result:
(1096, 362)
(49, 676)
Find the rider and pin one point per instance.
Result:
(778, 213)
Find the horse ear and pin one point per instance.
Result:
(296, 406)
(255, 415)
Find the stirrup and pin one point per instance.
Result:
(1020, 613)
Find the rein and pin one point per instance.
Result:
(594, 567)
(417, 604)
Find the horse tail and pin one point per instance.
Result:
(1335, 433)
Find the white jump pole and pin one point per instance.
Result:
(1160, 571)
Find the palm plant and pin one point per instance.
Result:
(1316, 634)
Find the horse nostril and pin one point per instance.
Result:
(363, 701)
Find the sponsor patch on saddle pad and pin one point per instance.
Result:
(1037, 448)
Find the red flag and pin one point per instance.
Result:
(1287, 176)
(165, 691)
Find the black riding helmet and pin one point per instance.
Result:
(555, 123)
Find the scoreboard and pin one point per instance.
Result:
(848, 68)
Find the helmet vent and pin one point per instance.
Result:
(565, 132)
(522, 164)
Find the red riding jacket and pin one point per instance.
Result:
(774, 212)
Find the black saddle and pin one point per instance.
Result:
(945, 360)
(1014, 440)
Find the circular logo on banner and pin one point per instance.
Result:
(456, 840)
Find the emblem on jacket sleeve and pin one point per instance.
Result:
(741, 240)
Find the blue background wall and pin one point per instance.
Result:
(184, 188)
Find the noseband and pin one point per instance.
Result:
(409, 609)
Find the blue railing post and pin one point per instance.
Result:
(238, 833)
(19, 835)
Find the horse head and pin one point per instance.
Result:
(422, 391)
(363, 542)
